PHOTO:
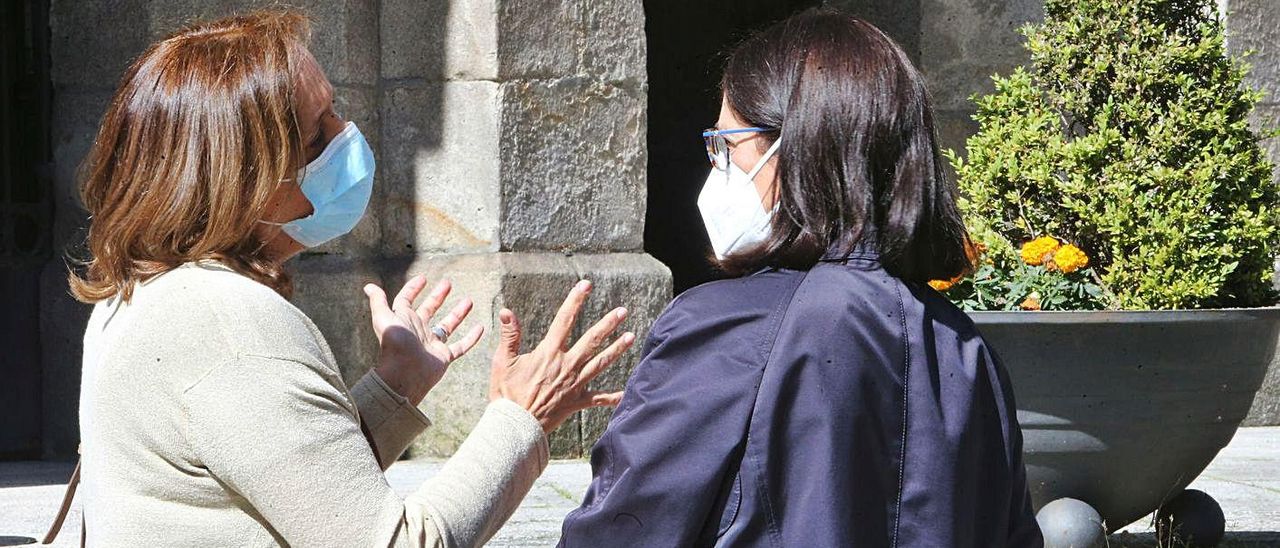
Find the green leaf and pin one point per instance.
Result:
(1127, 134)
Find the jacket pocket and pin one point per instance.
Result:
(731, 506)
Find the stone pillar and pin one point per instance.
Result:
(958, 45)
(510, 137)
(963, 43)
(1253, 32)
(514, 164)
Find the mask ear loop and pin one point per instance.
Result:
(768, 155)
(273, 223)
(279, 230)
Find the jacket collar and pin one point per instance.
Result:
(865, 249)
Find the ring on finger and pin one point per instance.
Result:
(440, 332)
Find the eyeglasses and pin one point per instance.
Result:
(718, 146)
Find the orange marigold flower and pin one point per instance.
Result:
(1070, 258)
(1032, 302)
(941, 285)
(1036, 251)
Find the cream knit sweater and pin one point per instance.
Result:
(212, 414)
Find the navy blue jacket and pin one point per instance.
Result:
(835, 407)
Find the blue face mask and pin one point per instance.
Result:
(338, 184)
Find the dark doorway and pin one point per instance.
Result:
(687, 42)
(25, 219)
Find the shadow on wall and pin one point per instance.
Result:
(387, 63)
(413, 85)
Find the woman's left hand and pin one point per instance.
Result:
(412, 358)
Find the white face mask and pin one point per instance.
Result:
(731, 208)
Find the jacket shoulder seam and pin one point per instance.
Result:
(906, 392)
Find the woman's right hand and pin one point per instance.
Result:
(411, 358)
(551, 380)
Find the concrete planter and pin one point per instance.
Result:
(1122, 410)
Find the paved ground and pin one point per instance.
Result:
(1245, 478)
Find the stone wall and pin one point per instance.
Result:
(1253, 31)
(510, 143)
(958, 45)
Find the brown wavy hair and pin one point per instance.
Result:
(200, 134)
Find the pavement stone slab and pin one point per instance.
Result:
(1244, 478)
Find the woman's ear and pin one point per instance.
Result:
(288, 203)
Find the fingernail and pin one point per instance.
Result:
(622, 313)
(584, 285)
(629, 337)
(504, 319)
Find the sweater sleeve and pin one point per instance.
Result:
(392, 421)
(283, 435)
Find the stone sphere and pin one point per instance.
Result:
(1192, 519)
(1070, 523)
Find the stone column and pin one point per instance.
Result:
(963, 43)
(958, 45)
(1253, 32)
(514, 164)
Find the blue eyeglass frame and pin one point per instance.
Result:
(718, 146)
(714, 132)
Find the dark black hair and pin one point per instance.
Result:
(859, 161)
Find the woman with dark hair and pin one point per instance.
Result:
(826, 396)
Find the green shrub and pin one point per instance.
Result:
(1127, 137)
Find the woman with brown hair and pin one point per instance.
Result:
(212, 412)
